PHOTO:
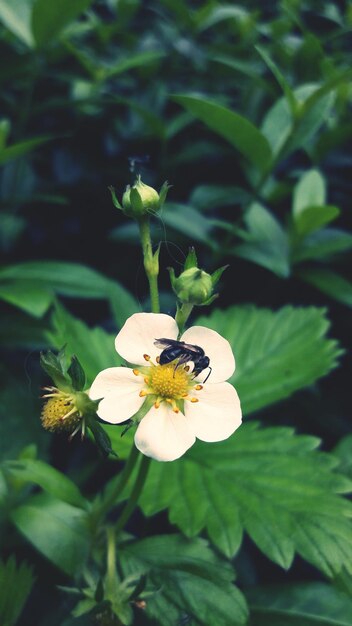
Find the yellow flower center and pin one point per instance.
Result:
(168, 383)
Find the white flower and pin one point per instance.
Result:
(182, 408)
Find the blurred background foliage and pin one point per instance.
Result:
(245, 108)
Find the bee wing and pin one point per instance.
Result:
(165, 343)
(189, 347)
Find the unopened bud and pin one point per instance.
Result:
(193, 286)
(140, 199)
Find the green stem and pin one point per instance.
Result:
(111, 575)
(151, 265)
(151, 262)
(136, 492)
(182, 314)
(111, 496)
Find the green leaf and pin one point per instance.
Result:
(290, 97)
(208, 197)
(188, 579)
(188, 221)
(55, 366)
(343, 451)
(314, 217)
(266, 241)
(329, 282)
(20, 331)
(237, 130)
(101, 438)
(322, 244)
(286, 135)
(276, 353)
(309, 209)
(16, 582)
(49, 18)
(94, 347)
(20, 408)
(309, 191)
(73, 279)
(268, 482)
(48, 478)
(15, 16)
(19, 149)
(77, 375)
(308, 604)
(27, 296)
(57, 529)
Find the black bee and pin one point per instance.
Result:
(184, 352)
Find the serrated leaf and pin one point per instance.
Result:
(343, 451)
(235, 128)
(276, 353)
(268, 482)
(16, 582)
(58, 530)
(308, 604)
(189, 579)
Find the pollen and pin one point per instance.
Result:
(167, 382)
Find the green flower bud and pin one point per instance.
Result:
(193, 286)
(140, 199)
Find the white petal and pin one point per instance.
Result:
(117, 407)
(216, 348)
(217, 414)
(138, 334)
(112, 380)
(163, 434)
(120, 389)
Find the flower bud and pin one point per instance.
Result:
(140, 199)
(193, 286)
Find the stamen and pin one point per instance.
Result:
(74, 410)
(158, 359)
(186, 368)
(146, 357)
(194, 400)
(198, 387)
(157, 404)
(143, 393)
(136, 372)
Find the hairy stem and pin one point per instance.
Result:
(151, 262)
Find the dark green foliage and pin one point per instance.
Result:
(245, 109)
